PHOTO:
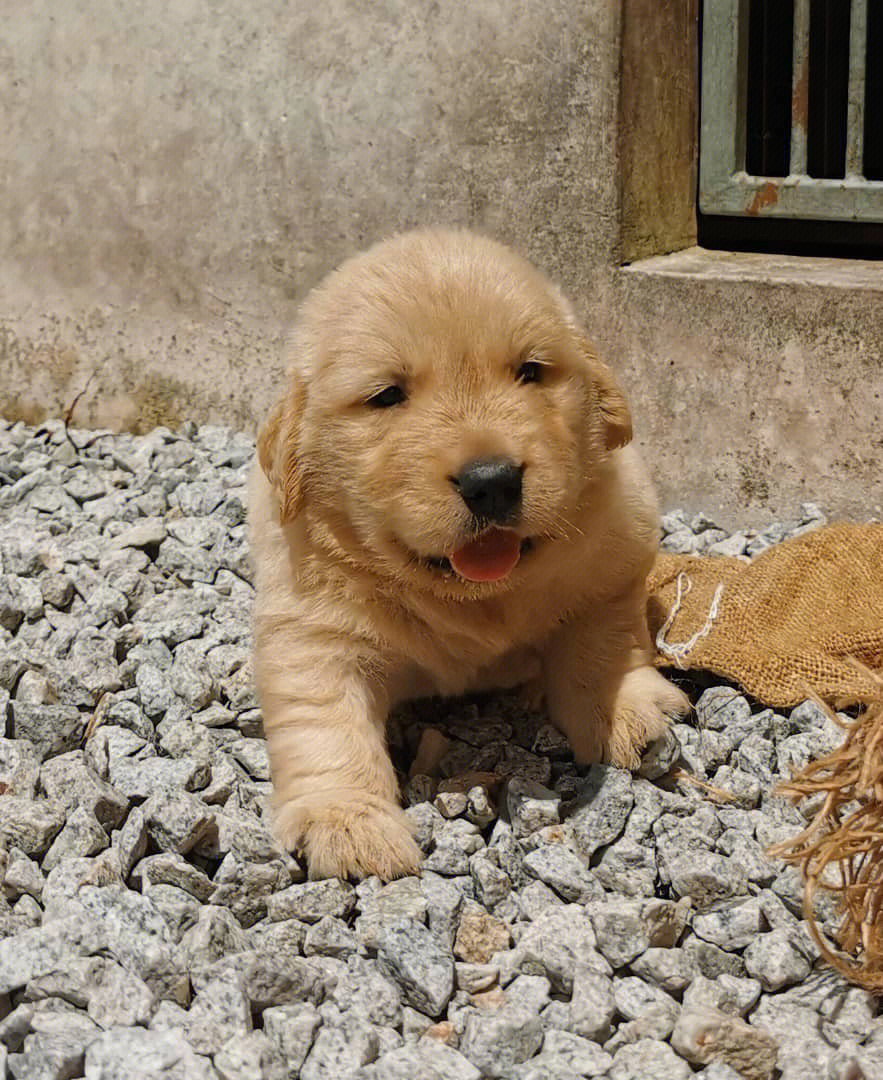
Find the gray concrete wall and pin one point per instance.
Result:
(174, 178)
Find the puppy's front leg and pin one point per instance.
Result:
(334, 788)
(601, 688)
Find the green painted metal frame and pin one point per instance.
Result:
(724, 185)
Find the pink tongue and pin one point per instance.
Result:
(489, 558)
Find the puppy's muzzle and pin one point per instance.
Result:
(491, 488)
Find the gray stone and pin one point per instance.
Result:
(46, 948)
(178, 908)
(743, 788)
(277, 937)
(250, 1057)
(155, 690)
(621, 931)
(558, 867)
(535, 899)
(411, 955)
(672, 970)
(140, 779)
(711, 960)
(428, 1060)
(130, 842)
(363, 989)
(634, 998)
(27, 911)
(592, 1006)
(312, 900)
(49, 1057)
(570, 1054)
(252, 756)
(146, 534)
(136, 934)
(718, 1071)
(331, 937)
(741, 849)
(170, 868)
(22, 875)
(628, 867)
(240, 833)
(50, 729)
(496, 1040)
(720, 707)
(110, 995)
(756, 756)
(604, 801)
(732, 926)
(480, 809)
(492, 883)
(82, 835)
(268, 979)
(554, 945)
(125, 1053)
(404, 898)
(292, 1028)
(340, 1049)
(529, 992)
(531, 806)
(19, 766)
(69, 782)
(247, 888)
(64, 881)
(444, 900)
(661, 756)
(681, 542)
(654, 1024)
(778, 959)
(473, 978)
(727, 993)
(176, 820)
(648, 1059)
(215, 933)
(451, 804)
(34, 689)
(704, 876)
(220, 1010)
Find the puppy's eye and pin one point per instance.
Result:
(388, 396)
(529, 372)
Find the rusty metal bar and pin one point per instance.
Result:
(855, 112)
(800, 89)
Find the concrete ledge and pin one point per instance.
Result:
(757, 267)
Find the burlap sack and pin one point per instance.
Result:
(791, 622)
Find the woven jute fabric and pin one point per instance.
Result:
(791, 622)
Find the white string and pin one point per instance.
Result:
(680, 650)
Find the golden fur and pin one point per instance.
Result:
(351, 501)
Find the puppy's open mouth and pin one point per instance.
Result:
(491, 556)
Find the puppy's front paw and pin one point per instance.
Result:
(348, 834)
(644, 708)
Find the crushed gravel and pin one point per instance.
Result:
(570, 921)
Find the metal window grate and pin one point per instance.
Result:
(792, 109)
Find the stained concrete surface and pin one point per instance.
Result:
(174, 178)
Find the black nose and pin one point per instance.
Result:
(491, 488)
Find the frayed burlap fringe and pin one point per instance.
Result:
(842, 848)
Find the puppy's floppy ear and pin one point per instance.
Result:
(614, 409)
(277, 451)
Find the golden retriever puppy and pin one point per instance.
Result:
(445, 501)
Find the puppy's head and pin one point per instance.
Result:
(446, 415)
